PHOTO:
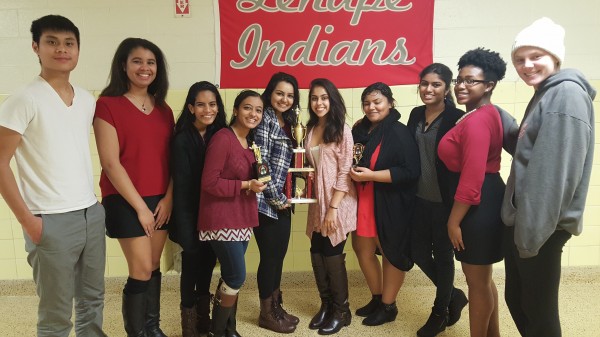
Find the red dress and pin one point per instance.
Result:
(365, 225)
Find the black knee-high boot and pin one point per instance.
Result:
(153, 306)
(223, 314)
(134, 318)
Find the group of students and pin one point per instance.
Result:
(421, 193)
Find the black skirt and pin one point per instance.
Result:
(122, 220)
(482, 227)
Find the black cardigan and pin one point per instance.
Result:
(394, 202)
(450, 116)
(187, 160)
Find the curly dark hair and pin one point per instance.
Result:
(490, 62)
(335, 118)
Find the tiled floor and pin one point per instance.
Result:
(580, 306)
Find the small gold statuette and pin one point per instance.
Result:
(299, 131)
(262, 169)
(357, 151)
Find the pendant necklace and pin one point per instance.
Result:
(137, 100)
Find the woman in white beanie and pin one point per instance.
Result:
(546, 191)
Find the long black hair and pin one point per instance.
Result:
(119, 82)
(289, 116)
(335, 118)
(186, 119)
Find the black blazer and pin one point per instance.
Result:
(450, 116)
(187, 160)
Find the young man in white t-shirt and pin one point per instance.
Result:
(46, 127)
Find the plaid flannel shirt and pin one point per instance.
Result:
(276, 151)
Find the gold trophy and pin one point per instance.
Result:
(299, 181)
(262, 170)
(357, 153)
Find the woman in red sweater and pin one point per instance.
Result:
(228, 207)
(471, 151)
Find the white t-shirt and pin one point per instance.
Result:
(53, 158)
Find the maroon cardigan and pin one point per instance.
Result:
(222, 203)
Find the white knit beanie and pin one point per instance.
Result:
(544, 34)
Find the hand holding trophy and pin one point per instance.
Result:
(357, 153)
(262, 169)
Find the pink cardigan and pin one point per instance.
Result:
(332, 173)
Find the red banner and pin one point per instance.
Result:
(351, 42)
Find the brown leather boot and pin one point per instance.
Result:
(338, 285)
(188, 322)
(278, 298)
(322, 280)
(272, 319)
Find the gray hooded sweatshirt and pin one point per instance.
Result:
(552, 162)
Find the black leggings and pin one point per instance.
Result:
(531, 289)
(196, 271)
(320, 244)
(272, 237)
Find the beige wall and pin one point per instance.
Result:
(190, 49)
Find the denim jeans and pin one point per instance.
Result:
(231, 257)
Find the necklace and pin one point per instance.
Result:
(466, 114)
(138, 101)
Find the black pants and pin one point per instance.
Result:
(196, 271)
(432, 250)
(320, 244)
(531, 290)
(272, 237)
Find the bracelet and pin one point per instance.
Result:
(332, 207)
(249, 185)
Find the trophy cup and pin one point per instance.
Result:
(299, 181)
(262, 170)
(357, 153)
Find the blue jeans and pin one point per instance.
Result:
(231, 257)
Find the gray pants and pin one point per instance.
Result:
(68, 264)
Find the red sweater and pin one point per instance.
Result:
(473, 148)
(222, 203)
(143, 144)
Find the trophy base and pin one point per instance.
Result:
(264, 179)
(302, 201)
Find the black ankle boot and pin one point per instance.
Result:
(383, 314)
(370, 307)
(436, 323)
